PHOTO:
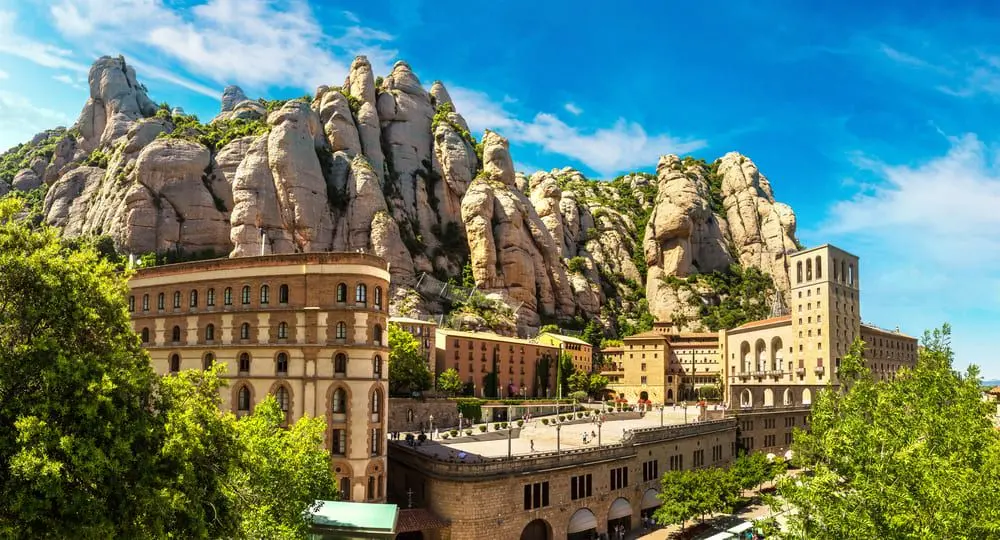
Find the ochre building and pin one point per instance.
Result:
(423, 332)
(308, 328)
(580, 352)
(522, 367)
(775, 367)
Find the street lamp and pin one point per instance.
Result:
(431, 430)
(459, 421)
(510, 429)
(661, 414)
(599, 424)
(558, 430)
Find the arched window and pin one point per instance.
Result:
(145, 335)
(145, 302)
(243, 400)
(340, 363)
(245, 331)
(281, 395)
(283, 294)
(341, 330)
(787, 397)
(798, 272)
(175, 335)
(210, 332)
(378, 297)
(819, 267)
(244, 363)
(850, 274)
(806, 397)
(210, 297)
(361, 294)
(376, 402)
(377, 333)
(194, 298)
(377, 366)
(245, 295)
(341, 292)
(131, 304)
(282, 364)
(160, 302)
(339, 401)
(746, 398)
(809, 269)
(206, 363)
(282, 330)
(345, 488)
(265, 294)
(227, 296)
(370, 494)
(175, 363)
(177, 299)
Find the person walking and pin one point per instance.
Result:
(532, 444)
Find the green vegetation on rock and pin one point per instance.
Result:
(726, 299)
(441, 115)
(215, 135)
(20, 157)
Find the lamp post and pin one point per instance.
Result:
(460, 421)
(599, 424)
(510, 429)
(661, 415)
(431, 430)
(558, 431)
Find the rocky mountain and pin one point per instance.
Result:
(386, 166)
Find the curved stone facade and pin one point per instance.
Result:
(309, 328)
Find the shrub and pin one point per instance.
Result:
(545, 421)
(579, 415)
(577, 265)
(482, 428)
(454, 433)
(468, 432)
(444, 436)
(562, 418)
(496, 426)
(503, 425)
(520, 423)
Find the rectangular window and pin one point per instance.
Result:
(619, 478)
(145, 302)
(339, 442)
(580, 486)
(650, 470)
(536, 495)
(676, 462)
(717, 452)
(699, 458)
(642, 379)
(788, 438)
(376, 442)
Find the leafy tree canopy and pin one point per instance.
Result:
(408, 371)
(916, 457)
(449, 382)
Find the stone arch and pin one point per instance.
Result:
(807, 396)
(745, 359)
(760, 354)
(374, 478)
(376, 403)
(776, 354)
(583, 522)
(768, 397)
(798, 272)
(620, 513)
(236, 395)
(377, 366)
(207, 361)
(537, 529)
(330, 394)
(787, 397)
(746, 398)
(819, 267)
(340, 363)
(670, 395)
(344, 473)
(281, 360)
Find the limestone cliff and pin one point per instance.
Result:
(389, 167)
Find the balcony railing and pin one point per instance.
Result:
(800, 371)
(820, 370)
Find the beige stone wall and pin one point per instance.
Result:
(887, 352)
(459, 496)
(407, 414)
(308, 318)
(771, 430)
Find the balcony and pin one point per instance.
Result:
(820, 370)
(777, 373)
(801, 372)
(744, 376)
(759, 374)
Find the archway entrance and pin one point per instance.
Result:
(582, 526)
(670, 396)
(649, 503)
(644, 395)
(620, 515)
(538, 529)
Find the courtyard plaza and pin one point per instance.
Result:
(537, 438)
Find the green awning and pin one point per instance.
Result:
(337, 519)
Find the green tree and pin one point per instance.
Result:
(449, 382)
(593, 333)
(549, 328)
(566, 370)
(750, 470)
(408, 371)
(578, 381)
(915, 457)
(687, 494)
(596, 383)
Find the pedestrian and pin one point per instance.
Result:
(532, 441)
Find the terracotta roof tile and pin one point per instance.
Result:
(765, 322)
(418, 519)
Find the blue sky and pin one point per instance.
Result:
(876, 121)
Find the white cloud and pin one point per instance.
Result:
(79, 82)
(349, 15)
(256, 43)
(20, 119)
(43, 54)
(3, 74)
(622, 146)
(573, 109)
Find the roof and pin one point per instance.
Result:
(994, 390)
(694, 345)
(490, 336)
(609, 350)
(408, 320)
(419, 519)
(896, 333)
(567, 339)
(765, 322)
(355, 516)
(647, 335)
